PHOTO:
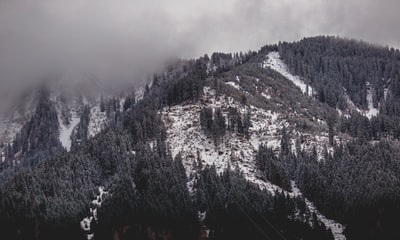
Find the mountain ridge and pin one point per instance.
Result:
(206, 128)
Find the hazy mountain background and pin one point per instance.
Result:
(124, 40)
(129, 120)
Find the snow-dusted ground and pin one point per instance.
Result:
(233, 84)
(274, 62)
(12, 120)
(385, 92)
(66, 130)
(11, 124)
(8, 130)
(266, 95)
(184, 135)
(139, 94)
(87, 221)
(97, 119)
(350, 104)
(372, 111)
(97, 122)
(336, 228)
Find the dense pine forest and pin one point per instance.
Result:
(46, 190)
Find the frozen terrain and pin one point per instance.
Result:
(275, 62)
(97, 121)
(234, 84)
(95, 204)
(66, 129)
(371, 111)
(336, 228)
(184, 136)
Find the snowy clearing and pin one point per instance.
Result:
(184, 135)
(274, 62)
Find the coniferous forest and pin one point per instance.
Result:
(46, 191)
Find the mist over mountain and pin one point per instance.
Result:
(199, 120)
(124, 40)
(263, 144)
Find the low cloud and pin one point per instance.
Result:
(122, 40)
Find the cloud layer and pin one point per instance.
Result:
(122, 39)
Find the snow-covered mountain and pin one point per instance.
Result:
(294, 141)
(83, 110)
(185, 136)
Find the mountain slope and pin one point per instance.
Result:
(185, 137)
(283, 143)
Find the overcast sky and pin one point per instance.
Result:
(118, 38)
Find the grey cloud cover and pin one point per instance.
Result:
(117, 39)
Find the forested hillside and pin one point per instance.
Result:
(283, 143)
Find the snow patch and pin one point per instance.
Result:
(385, 93)
(87, 221)
(267, 96)
(66, 130)
(350, 104)
(201, 216)
(97, 122)
(336, 228)
(274, 62)
(233, 84)
(372, 111)
(9, 128)
(139, 94)
(186, 137)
